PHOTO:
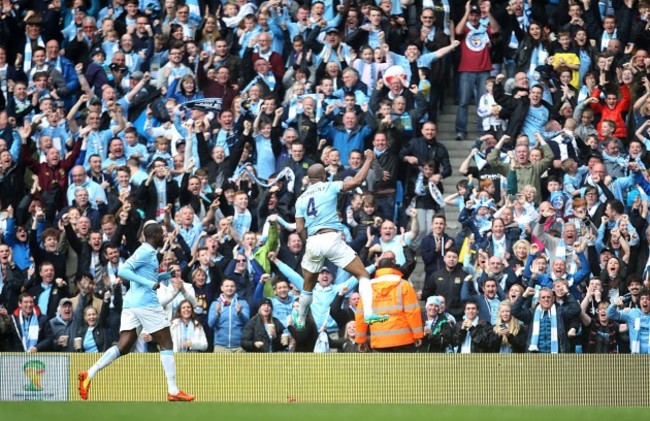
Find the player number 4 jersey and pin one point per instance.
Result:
(317, 206)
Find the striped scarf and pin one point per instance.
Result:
(534, 338)
(27, 61)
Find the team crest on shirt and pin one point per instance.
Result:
(457, 281)
(476, 42)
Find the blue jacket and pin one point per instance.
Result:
(228, 325)
(341, 140)
(20, 250)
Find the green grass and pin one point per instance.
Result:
(97, 411)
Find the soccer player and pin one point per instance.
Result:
(316, 217)
(142, 309)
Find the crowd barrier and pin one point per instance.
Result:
(479, 379)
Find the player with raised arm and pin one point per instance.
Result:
(319, 228)
(142, 309)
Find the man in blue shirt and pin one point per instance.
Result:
(142, 309)
(316, 216)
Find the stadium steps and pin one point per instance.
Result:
(458, 151)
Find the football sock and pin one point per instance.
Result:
(365, 291)
(169, 365)
(109, 356)
(306, 298)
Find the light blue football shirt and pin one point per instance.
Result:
(317, 205)
(144, 264)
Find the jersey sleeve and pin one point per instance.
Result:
(300, 209)
(336, 187)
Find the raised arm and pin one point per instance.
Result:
(360, 176)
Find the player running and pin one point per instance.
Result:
(142, 309)
(318, 226)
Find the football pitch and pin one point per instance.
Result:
(97, 411)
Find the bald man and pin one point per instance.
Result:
(318, 226)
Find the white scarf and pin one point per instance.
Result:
(27, 61)
(604, 40)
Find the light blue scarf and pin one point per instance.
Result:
(534, 338)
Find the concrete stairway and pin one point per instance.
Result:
(458, 151)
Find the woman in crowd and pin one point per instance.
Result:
(91, 334)
(187, 333)
(508, 334)
(263, 332)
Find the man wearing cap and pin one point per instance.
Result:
(60, 331)
(70, 31)
(35, 34)
(95, 72)
(475, 63)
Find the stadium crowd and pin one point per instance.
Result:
(205, 116)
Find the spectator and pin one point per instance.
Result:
(548, 321)
(27, 326)
(472, 336)
(437, 329)
(263, 332)
(393, 295)
(187, 333)
(91, 335)
(227, 316)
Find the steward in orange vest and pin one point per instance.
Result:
(394, 296)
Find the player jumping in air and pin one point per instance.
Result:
(142, 309)
(318, 226)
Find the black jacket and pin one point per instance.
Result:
(480, 337)
(448, 284)
(13, 282)
(148, 197)
(439, 338)
(517, 342)
(255, 331)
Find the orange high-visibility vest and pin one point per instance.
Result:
(396, 297)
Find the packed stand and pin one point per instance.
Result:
(206, 117)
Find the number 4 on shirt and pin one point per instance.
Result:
(311, 207)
